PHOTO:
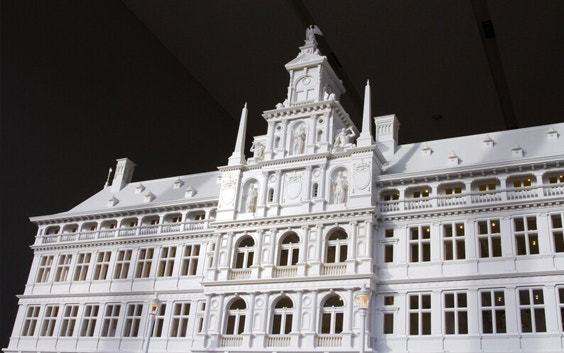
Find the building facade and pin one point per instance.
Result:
(459, 243)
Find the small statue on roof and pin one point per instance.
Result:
(311, 31)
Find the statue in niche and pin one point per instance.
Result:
(343, 139)
(299, 140)
(340, 188)
(258, 150)
(251, 200)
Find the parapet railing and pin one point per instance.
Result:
(474, 197)
(143, 230)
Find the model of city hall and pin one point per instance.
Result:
(452, 245)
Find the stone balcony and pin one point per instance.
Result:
(126, 232)
(478, 198)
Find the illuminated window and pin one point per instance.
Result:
(557, 232)
(557, 179)
(486, 187)
(493, 311)
(421, 193)
(332, 314)
(390, 195)
(531, 309)
(522, 183)
(489, 238)
(420, 244)
(453, 190)
(526, 235)
(453, 241)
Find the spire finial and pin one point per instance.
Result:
(238, 156)
(365, 138)
(108, 178)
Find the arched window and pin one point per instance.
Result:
(332, 315)
(244, 253)
(236, 317)
(283, 314)
(337, 247)
(289, 250)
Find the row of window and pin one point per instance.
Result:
(489, 239)
(97, 266)
(483, 185)
(530, 310)
(125, 320)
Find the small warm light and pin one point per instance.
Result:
(493, 224)
(426, 191)
(461, 226)
(536, 297)
(428, 230)
(362, 298)
(154, 308)
(499, 299)
(534, 242)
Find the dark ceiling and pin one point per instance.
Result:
(426, 60)
(163, 83)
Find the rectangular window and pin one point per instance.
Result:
(89, 318)
(102, 265)
(110, 321)
(166, 263)
(521, 183)
(456, 313)
(122, 264)
(81, 269)
(190, 260)
(556, 179)
(388, 324)
(453, 241)
(486, 187)
(63, 267)
(419, 314)
(453, 190)
(132, 320)
(389, 253)
(531, 308)
(420, 244)
(44, 270)
(489, 237)
(49, 320)
(200, 315)
(526, 235)
(421, 193)
(68, 324)
(557, 232)
(159, 321)
(30, 321)
(561, 305)
(179, 325)
(493, 311)
(144, 262)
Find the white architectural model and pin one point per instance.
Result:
(458, 242)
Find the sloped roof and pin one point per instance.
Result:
(162, 192)
(476, 151)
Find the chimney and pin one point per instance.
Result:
(123, 174)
